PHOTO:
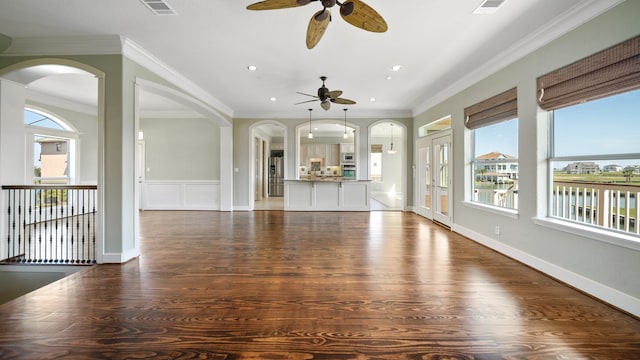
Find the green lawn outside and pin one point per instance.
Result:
(607, 178)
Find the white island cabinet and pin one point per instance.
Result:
(328, 194)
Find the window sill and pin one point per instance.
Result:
(492, 209)
(623, 240)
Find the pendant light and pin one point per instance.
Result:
(310, 136)
(345, 136)
(391, 150)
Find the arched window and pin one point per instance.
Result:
(53, 148)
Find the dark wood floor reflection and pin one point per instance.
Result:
(282, 285)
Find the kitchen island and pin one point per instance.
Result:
(326, 194)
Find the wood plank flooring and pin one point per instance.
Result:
(285, 285)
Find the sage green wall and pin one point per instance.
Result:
(616, 267)
(181, 149)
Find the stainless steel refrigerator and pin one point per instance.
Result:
(276, 176)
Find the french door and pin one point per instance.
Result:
(434, 177)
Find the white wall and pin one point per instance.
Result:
(602, 269)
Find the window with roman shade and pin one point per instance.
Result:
(611, 71)
(501, 107)
(494, 143)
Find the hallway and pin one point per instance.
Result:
(297, 285)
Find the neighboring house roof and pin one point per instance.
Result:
(495, 156)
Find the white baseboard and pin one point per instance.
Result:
(119, 258)
(605, 293)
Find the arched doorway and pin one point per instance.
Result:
(387, 165)
(269, 165)
(55, 89)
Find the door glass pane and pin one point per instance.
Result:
(443, 179)
(427, 177)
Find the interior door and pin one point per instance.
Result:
(424, 178)
(434, 177)
(441, 181)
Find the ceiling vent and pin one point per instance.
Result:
(489, 6)
(159, 7)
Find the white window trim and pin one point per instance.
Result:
(591, 232)
(510, 213)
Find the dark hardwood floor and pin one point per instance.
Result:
(284, 285)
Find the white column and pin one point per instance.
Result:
(226, 168)
(12, 145)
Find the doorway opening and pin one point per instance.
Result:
(269, 165)
(387, 166)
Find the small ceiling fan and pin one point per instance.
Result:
(327, 97)
(355, 12)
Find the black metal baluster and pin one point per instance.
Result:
(30, 233)
(20, 222)
(9, 246)
(93, 220)
(84, 212)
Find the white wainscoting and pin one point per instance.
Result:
(181, 195)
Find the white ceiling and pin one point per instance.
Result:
(441, 46)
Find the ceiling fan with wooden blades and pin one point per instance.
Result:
(355, 12)
(327, 97)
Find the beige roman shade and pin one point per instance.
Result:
(501, 107)
(608, 72)
(376, 148)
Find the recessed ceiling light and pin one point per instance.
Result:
(252, 68)
(273, 99)
(389, 78)
(396, 68)
(372, 99)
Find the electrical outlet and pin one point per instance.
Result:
(496, 230)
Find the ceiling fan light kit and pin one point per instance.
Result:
(354, 12)
(327, 97)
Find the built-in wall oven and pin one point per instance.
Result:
(349, 170)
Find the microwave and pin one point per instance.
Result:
(348, 158)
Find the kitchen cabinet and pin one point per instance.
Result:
(332, 157)
(347, 148)
(329, 152)
(327, 195)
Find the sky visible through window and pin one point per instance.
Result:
(501, 137)
(601, 127)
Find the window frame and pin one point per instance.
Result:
(580, 227)
(473, 165)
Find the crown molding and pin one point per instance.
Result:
(170, 114)
(136, 53)
(109, 45)
(561, 25)
(67, 45)
(356, 114)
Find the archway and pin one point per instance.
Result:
(387, 165)
(56, 86)
(268, 155)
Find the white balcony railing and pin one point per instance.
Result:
(611, 206)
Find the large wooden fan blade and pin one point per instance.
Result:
(277, 4)
(317, 28)
(343, 101)
(362, 16)
(333, 94)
